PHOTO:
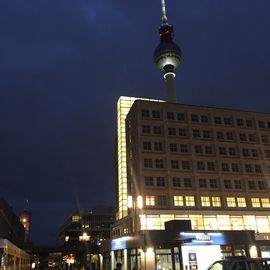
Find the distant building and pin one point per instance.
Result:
(83, 233)
(10, 225)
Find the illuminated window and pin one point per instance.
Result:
(178, 200)
(190, 201)
(84, 237)
(205, 201)
(216, 202)
(265, 202)
(231, 202)
(75, 218)
(241, 202)
(255, 202)
(66, 238)
(150, 201)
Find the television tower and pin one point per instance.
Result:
(167, 54)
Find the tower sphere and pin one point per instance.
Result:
(167, 53)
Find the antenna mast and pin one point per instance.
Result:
(164, 18)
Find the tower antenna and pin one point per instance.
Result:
(164, 18)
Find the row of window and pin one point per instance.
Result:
(206, 134)
(203, 149)
(206, 201)
(176, 164)
(204, 183)
(205, 119)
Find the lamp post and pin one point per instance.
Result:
(135, 204)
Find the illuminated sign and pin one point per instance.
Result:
(203, 238)
(120, 243)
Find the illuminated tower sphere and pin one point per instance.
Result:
(25, 219)
(167, 55)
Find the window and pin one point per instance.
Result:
(252, 137)
(245, 152)
(203, 183)
(183, 148)
(255, 202)
(150, 200)
(237, 184)
(170, 115)
(211, 166)
(159, 163)
(227, 121)
(241, 202)
(176, 181)
(145, 113)
(148, 163)
(232, 151)
(261, 124)
(258, 168)
(147, 146)
(181, 116)
(261, 185)
(196, 133)
(173, 147)
(205, 201)
(160, 182)
(249, 123)
(185, 165)
(182, 132)
(206, 134)
(194, 118)
(240, 122)
(200, 165)
(187, 182)
(231, 202)
(265, 202)
(227, 184)
(229, 136)
(251, 185)
(146, 129)
(222, 150)
(225, 167)
(198, 149)
(190, 201)
(267, 153)
(243, 137)
(264, 138)
(178, 200)
(220, 135)
(155, 114)
(158, 146)
(254, 152)
(217, 120)
(156, 129)
(235, 167)
(208, 149)
(171, 131)
(213, 183)
(174, 164)
(216, 202)
(248, 168)
(162, 200)
(149, 181)
(204, 119)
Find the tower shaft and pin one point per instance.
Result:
(169, 79)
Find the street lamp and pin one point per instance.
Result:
(135, 204)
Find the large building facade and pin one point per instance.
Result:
(183, 162)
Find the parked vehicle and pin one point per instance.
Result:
(241, 263)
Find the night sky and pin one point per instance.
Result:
(64, 64)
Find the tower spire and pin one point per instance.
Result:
(164, 18)
(167, 55)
